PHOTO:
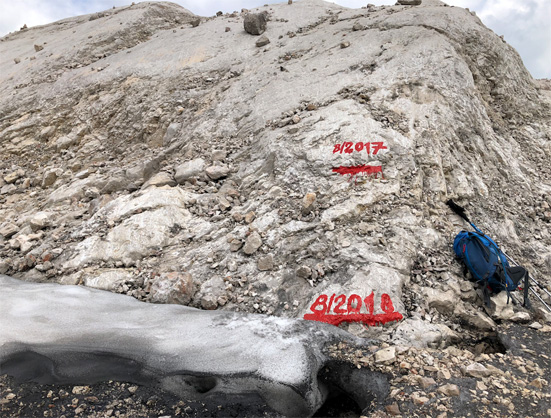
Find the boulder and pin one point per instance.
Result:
(216, 172)
(189, 169)
(255, 23)
(409, 2)
(499, 308)
(173, 287)
(441, 301)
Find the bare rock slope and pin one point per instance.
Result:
(152, 152)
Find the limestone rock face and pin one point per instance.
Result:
(155, 147)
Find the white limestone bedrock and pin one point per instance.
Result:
(277, 357)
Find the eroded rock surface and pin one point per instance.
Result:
(160, 148)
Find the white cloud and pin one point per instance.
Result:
(526, 25)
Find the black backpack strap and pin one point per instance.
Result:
(485, 291)
(526, 303)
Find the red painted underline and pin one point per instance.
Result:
(368, 319)
(359, 169)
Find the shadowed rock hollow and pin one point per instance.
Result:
(154, 153)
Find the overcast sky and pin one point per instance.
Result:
(525, 24)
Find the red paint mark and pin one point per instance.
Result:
(352, 313)
(349, 147)
(367, 319)
(368, 170)
(378, 146)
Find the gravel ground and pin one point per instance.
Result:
(503, 377)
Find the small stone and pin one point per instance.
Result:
(445, 373)
(218, 155)
(308, 203)
(253, 243)
(345, 44)
(216, 172)
(425, 382)
(4, 266)
(295, 119)
(38, 48)
(8, 189)
(13, 176)
(304, 272)
(209, 302)
(232, 265)
(8, 229)
(160, 179)
(393, 409)
(419, 400)
(357, 26)
(17, 60)
(237, 217)
(249, 217)
(49, 178)
(449, 390)
(535, 325)
(195, 23)
(40, 221)
(81, 390)
(481, 386)
(521, 317)
(255, 23)
(262, 41)
(227, 29)
(265, 263)
(311, 106)
(223, 203)
(538, 383)
(386, 355)
(477, 370)
(132, 389)
(235, 245)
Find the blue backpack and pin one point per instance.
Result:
(487, 263)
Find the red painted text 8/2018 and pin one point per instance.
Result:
(349, 311)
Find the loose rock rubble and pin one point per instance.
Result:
(205, 177)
